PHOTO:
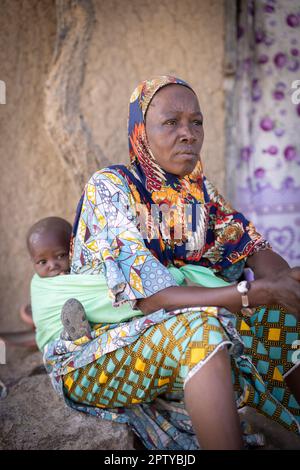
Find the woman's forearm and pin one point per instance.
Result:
(173, 298)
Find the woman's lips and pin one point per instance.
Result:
(187, 155)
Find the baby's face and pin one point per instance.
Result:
(50, 255)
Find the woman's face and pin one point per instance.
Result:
(174, 127)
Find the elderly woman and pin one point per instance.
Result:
(172, 253)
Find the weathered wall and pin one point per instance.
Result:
(131, 41)
(138, 39)
(33, 182)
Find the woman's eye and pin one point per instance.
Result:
(42, 261)
(171, 122)
(198, 122)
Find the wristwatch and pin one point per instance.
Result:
(243, 288)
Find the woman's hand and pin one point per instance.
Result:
(282, 282)
(284, 289)
(295, 273)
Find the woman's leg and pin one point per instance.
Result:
(210, 402)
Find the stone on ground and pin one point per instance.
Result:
(33, 416)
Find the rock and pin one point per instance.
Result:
(276, 436)
(33, 416)
(20, 363)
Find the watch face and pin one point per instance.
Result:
(242, 287)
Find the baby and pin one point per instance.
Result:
(48, 243)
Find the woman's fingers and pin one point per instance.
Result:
(286, 291)
(295, 273)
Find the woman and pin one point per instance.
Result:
(179, 345)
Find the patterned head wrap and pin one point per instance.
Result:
(156, 179)
(165, 190)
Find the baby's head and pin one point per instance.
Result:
(48, 243)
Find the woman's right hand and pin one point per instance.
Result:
(284, 289)
(295, 273)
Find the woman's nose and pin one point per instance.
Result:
(187, 134)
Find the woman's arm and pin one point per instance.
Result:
(282, 287)
(174, 298)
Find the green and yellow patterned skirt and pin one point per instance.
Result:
(167, 355)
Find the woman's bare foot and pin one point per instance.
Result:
(74, 321)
